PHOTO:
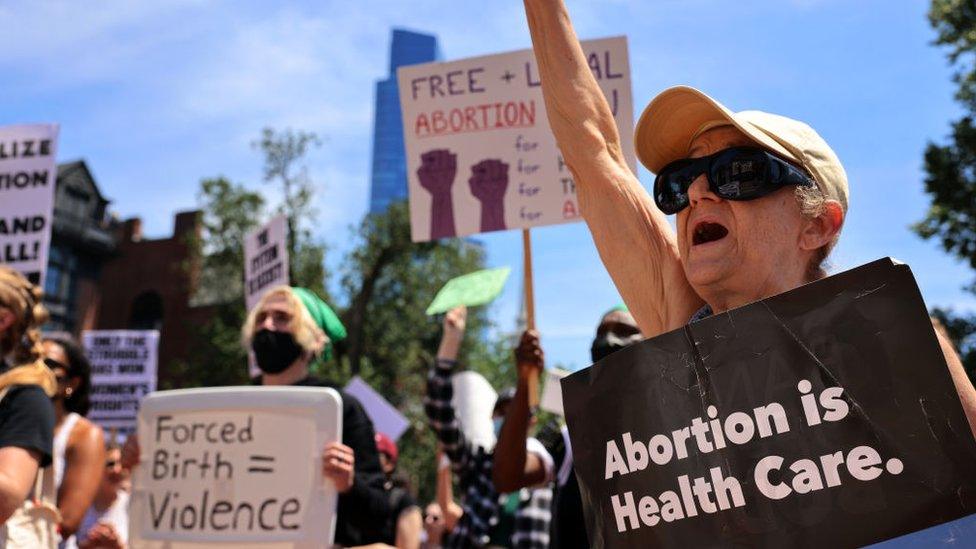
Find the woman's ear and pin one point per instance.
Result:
(74, 383)
(7, 319)
(823, 229)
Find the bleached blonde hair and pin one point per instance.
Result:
(22, 341)
(308, 334)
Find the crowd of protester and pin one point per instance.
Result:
(61, 473)
(65, 482)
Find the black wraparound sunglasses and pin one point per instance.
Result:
(738, 173)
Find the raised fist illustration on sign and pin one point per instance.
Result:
(437, 170)
(489, 181)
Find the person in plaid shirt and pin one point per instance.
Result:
(520, 519)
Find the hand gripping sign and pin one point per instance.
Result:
(235, 465)
(821, 417)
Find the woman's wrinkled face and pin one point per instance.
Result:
(737, 246)
(275, 315)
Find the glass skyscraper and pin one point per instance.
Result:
(389, 178)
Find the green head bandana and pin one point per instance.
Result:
(324, 317)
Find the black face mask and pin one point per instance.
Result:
(275, 351)
(610, 343)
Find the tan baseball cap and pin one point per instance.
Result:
(679, 114)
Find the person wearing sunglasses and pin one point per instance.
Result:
(79, 445)
(759, 199)
(26, 414)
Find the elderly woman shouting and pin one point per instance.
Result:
(760, 199)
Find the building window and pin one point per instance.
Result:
(59, 287)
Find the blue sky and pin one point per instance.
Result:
(157, 94)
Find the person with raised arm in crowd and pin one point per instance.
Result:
(517, 519)
(759, 198)
(79, 444)
(616, 330)
(287, 330)
(26, 412)
(442, 514)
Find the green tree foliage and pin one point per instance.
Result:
(388, 282)
(951, 168)
(385, 285)
(230, 211)
(284, 165)
(215, 356)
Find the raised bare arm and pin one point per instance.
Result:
(633, 237)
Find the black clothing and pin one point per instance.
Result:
(400, 500)
(364, 508)
(27, 420)
(568, 525)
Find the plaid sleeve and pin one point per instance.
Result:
(441, 417)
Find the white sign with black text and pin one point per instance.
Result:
(265, 259)
(235, 465)
(123, 371)
(28, 176)
(481, 156)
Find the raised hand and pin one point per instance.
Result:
(455, 321)
(436, 173)
(437, 170)
(529, 358)
(488, 182)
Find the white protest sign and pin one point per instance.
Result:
(474, 400)
(386, 418)
(480, 153)
(123, 371)
(28, 176)
(235, 465)
(265, 259)
(552, 393)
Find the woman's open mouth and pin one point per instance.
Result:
(708, 231)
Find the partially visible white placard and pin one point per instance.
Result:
(238, 466)
(552, 393)
(474, 400)
(265, 259)
(386, 418)
(28, 176)
(123, 372)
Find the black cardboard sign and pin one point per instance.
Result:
(824, 416)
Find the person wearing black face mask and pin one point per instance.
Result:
(287, 330)
(617, 330)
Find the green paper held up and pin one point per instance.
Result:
(472, 289)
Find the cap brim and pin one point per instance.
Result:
(673, 118)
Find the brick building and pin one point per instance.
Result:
(102, 273)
